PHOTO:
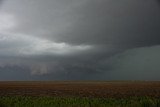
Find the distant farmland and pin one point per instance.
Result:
(81, 89)
(137, 92)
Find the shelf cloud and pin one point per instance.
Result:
(79, 39)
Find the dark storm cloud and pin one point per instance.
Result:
(135, 23)
(123, 23)
(135, 64)
(0, 1)
(73, 39)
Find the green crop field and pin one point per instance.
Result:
(77, 102)
(80, 94)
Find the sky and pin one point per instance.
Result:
(79, 39)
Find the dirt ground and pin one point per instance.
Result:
(116, 89)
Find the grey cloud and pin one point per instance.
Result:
(135, 64)
(91, 22)
(114, 25)
(79, 39)
(117, 23)
(1, 1)
(123, 23)
(36, 68)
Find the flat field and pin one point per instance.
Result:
(80, 94)
(81, 89)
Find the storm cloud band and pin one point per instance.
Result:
(72, 39)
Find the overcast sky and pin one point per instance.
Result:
(79, 39)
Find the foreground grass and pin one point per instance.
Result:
(77, 102)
